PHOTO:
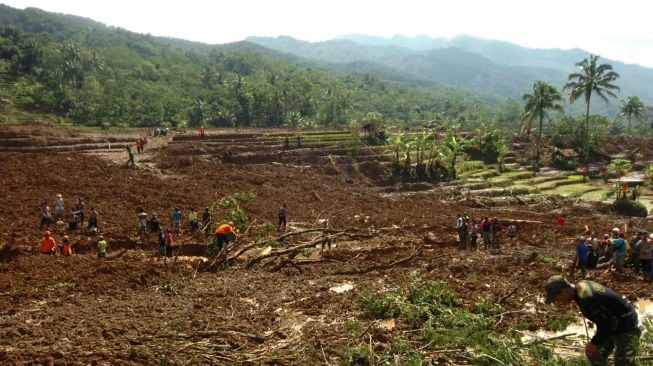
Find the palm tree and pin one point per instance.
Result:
(591, 78)
(544, 98)
(632, 107)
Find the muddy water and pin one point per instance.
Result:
(580, 331)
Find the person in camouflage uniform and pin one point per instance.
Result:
(615, 319)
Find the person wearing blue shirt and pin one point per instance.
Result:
(582, 252)
(176, 219)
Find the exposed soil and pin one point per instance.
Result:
(139, 309)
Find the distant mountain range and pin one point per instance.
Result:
(486, 66)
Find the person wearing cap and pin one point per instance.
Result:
(644, 248)
(101, 247)
(615, 318)
(222, 234)
(582, 252)
(67, 249)
(202, 130)
(58, 207)
(48, 244)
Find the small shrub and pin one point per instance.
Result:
(630, 208)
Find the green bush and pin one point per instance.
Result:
(630, 208)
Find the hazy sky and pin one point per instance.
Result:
(613, 29)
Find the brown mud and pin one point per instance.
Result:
(140, 309)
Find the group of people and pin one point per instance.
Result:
(141, 141)
(617, 250)
(75, 216)
(490, 230)
(146, 224)
(48, 245)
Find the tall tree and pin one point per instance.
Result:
(544, 97)
(632, 107)
(591, 78)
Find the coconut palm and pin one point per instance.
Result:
(632, 107)
(543, 98)
(591, 78)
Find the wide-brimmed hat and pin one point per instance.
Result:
(58, 195)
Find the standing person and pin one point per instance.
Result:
(48, 244)
(605, 248)
(206, 220)
(79, 207)
(169, 243)
(72, 220)
(474, 234)
(615, 318)
(645, 248)
(142, 222)
(463, 231)
(176, 219)
(58, 208)
(46, 216)
(223, 233)
(130, 152)
(92, 219)
(139, 146)
(202, 132)
(580, 259)
(161, 236)
(192, 218)
(595, 243)
(486, 228)
(619, 246)
(283, 212)
(143, 143)
(560, 222)
(497, 230)
(67, 249)
(155, 224)
(101, 247)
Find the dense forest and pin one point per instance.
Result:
(88, 73)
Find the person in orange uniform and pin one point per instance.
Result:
(67, 248)
(223, 233)
(138, 145)
(48, 244)
(202, 131)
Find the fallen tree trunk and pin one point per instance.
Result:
(320, 240)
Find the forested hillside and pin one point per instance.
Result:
(487, 66)
(88, 73)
